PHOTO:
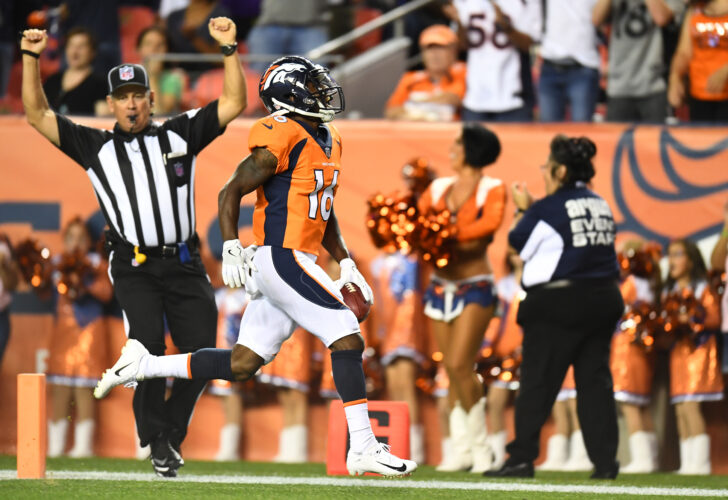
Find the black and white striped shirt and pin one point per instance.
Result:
(144, 181)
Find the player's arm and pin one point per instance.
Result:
(332, 241)
(234, 96)
(37, 111)
(252, 172)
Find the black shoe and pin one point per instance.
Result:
(165, 459)
(608, 473)
(524, 469)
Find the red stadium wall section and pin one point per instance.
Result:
(661, 183)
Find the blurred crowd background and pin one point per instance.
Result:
(530, 60)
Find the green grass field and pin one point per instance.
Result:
(115, 478)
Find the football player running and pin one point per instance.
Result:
(294, 165)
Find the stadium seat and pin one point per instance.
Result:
(132, 21)
(208, 87)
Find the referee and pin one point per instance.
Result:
(143, 176)
(572, 306)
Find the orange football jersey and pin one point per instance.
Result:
(294, 205)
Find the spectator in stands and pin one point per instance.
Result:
(188, 32)
(167, 85)
(702, 55)
(570, 70)
(78, 342)
(8, 282)
(78, 90)
(286, 27)
(7, 44)
(499, 35)
(435, 93)
(636, 83)
(694, 369)
(102, 20)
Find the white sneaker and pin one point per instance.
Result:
(379, 460)
(125, 370)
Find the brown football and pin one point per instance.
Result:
(355, 300)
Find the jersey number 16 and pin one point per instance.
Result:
(327, 198)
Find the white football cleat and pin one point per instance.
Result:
(379, 460)
(125, 370)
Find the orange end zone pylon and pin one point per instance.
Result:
(32, 426)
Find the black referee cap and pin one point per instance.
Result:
(127, 74)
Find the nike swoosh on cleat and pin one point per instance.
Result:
(401, 468)
(117, 371)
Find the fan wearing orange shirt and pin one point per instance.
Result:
(435, 93)
(702, 56)
(294, 166)
(460, 299)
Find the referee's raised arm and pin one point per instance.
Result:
(38, 112)
(233, 100)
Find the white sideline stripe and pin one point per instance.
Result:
(382, 483)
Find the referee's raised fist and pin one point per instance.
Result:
(222, 30)
(34, 40)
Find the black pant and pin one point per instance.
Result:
(148, 293)
(708, 111)
(561, 327)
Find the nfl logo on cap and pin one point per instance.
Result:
(126, 73)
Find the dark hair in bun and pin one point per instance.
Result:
(576, 154)
(481, 145)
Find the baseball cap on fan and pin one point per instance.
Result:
(127, 74)
(438, 34)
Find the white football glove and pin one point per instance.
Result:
(236, 262)
(350, 274)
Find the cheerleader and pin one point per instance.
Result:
(504, 338)
(460, 299)
(631, 362)
(290, 374)
(78, 342)
(398, 316)
(231, 303)
(694, 365)
(565, 449)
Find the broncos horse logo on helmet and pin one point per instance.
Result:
(296, 85)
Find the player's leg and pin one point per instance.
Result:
(307, 294)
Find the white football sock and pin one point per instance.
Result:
(361, 436)
(175, 366)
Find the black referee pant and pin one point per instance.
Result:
(562, 326)
(148, 293)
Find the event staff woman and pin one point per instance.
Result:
(460, 299)
(566, 241)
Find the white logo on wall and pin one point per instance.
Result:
(597, 228)
(126, 73)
